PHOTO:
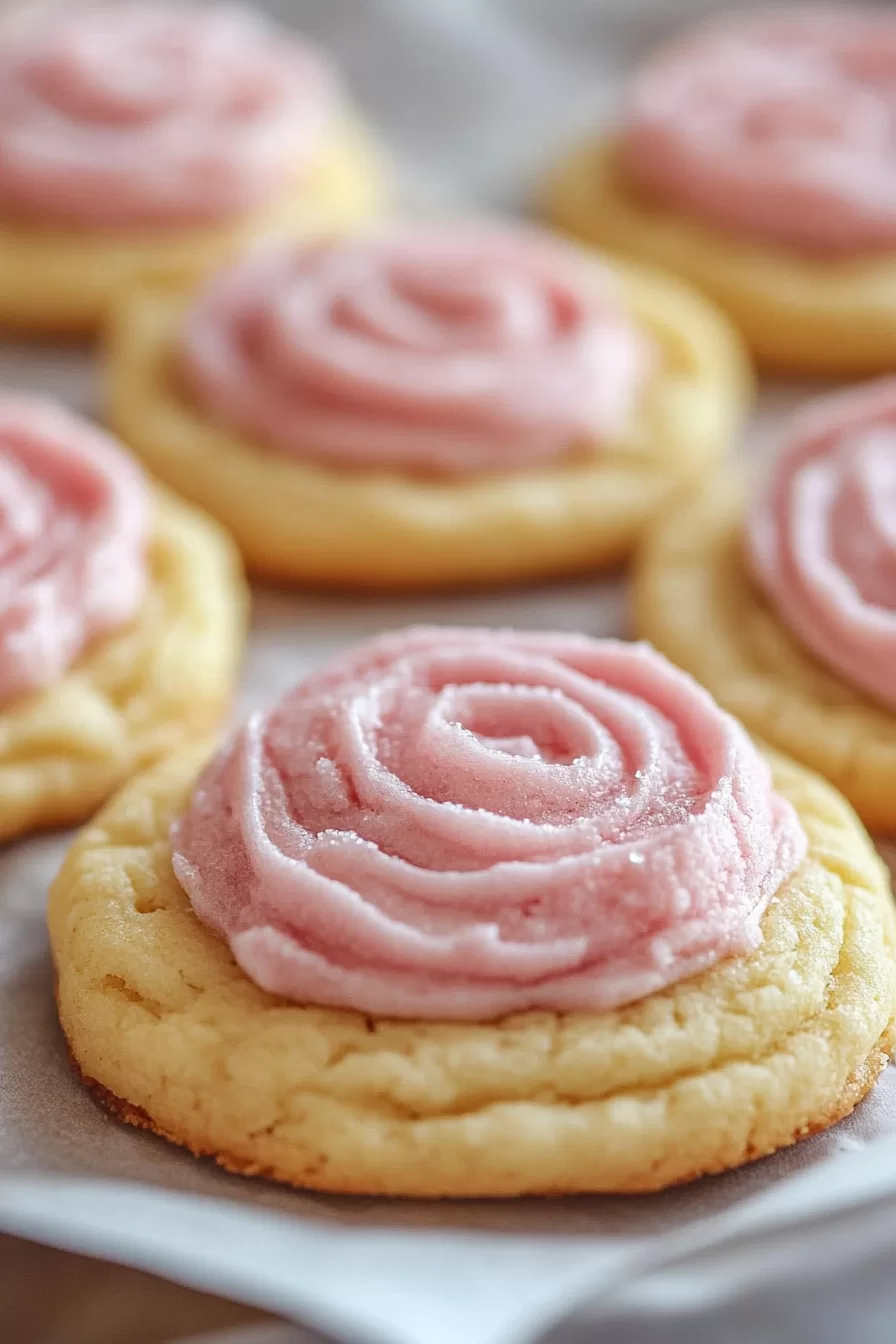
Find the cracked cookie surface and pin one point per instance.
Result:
(695, 601)
(719, 1069)
(166, 677)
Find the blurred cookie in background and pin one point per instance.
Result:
(141, 138)
(755, 157)
(427, 405)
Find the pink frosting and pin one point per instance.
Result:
(443, 349)
(450, 823)
(779, 128)
(73, 526)
(132, 114)
(822, 535)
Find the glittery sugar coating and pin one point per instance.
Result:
(779, 128)
(439, 349)
(462, 823)
(74, 518)
(822, 534)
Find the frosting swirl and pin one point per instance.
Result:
(461, 349)
(73, 525)
(779, 128)
(452, 823)
(821, 535)
(133, 114)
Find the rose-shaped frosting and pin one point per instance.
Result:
(134, 114)
(450, 823)
(821, 535)
(778, 128)
(73, 525)
(462, 349)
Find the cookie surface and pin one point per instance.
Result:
(61, 281)
(695, 601)
(722, 1068)
(297, 520)
(797, 314)
(165, 677)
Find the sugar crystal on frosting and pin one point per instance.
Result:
(464, 881)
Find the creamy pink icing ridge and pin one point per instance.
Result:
(130, 114)
(438, 348)
(779, 128)
(73, 525)
(462, 823)
(821, 534)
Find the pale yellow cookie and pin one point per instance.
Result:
(61, 281)
(300, 521)
(696, 602)
(797, 314)
(720, 1069)
(136, 694)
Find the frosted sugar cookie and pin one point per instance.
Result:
(121, 618)
(754, 157)
(791, 620)
(479, 912)
(427, 404)
(150, 139)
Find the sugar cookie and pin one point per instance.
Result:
(121, 618)
(214, 131)
(793, 626)
(753, 158)
(425, 406)
(416, 821)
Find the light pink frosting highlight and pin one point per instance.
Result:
(141, 114)
(73, 526)
(821, 535)
(461, 824)
(424, 348)
(778, 128)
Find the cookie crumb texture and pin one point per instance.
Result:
(720, 1069)
(165, 678)
(695, 601)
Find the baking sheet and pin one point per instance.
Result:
(474, 95)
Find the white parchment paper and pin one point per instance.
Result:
(474, 95)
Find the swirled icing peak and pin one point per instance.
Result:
(73, 524)
(131, 114)
(822, 535)
(452, 823)
(778, 127)
(441, 349)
